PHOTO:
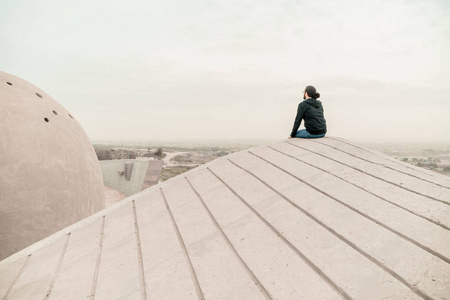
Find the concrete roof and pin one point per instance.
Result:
(300, 219)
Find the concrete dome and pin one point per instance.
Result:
(50, 176)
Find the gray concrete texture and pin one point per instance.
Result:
(49, 173)
(300, 219)
(153, 173)
(144, 174)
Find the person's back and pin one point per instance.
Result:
(310, 110)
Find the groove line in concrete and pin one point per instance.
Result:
(382, 165)
(374, 176)
(191, 269)
(341, 237)
(303, 257)
(377, 154)
(429, 250)
(99, 256)
(392, 160)
(365, 190)
(17, 277)
(58, 268)
(139, 252)
(250, 273)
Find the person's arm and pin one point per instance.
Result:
(298, 119)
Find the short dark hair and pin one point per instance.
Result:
(312, 92)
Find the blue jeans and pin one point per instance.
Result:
(306, 135)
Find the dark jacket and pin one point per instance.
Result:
(311, 111)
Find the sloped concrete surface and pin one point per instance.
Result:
(300, 219)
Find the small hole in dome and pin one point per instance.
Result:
(46, 120)
(55, 112)
(9, 83)
(39, 95)
(70, 116)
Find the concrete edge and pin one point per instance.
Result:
(52, 238)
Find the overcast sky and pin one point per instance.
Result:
(234, 69)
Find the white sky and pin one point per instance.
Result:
(235, 69)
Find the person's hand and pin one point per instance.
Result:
(290, 137)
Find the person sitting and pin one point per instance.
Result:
(310, 110)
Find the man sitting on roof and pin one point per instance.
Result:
(311, 111)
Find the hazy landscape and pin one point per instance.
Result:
(178, 157)
(435, 157)
(181, 157)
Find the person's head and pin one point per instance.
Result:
(310, 92)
